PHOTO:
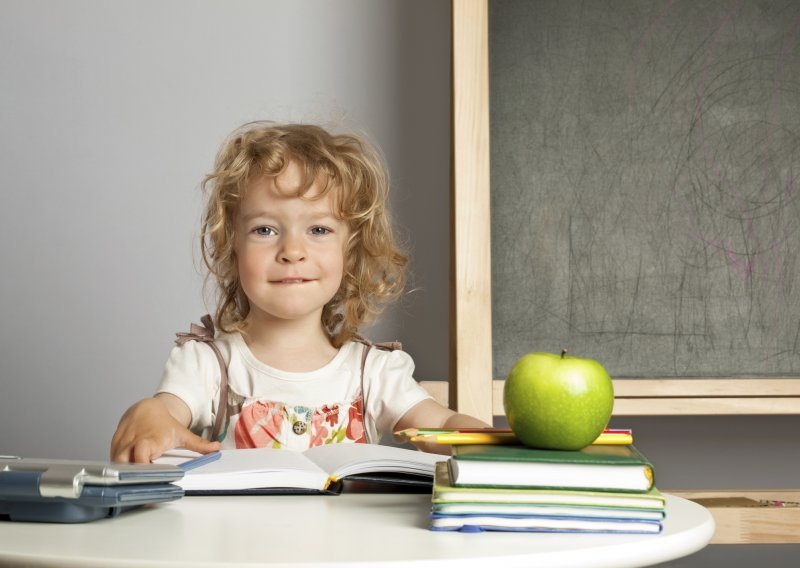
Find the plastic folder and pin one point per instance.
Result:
(68, 491)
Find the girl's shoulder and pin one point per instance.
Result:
(201, 354)
(386, 358)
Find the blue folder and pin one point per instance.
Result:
(69, 491)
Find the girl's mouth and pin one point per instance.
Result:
(291, 281)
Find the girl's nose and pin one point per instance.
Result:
(292, 250)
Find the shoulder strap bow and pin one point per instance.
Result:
(198, 332)
(384, 345)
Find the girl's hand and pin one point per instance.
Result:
(152, 426)
(430, 414)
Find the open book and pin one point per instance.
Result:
(320, 469)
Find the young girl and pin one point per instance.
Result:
(297, 236)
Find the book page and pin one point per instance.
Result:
(256, 468)
(341, 460)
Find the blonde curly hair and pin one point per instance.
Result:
(374, 264)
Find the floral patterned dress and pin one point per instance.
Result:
(259, 423)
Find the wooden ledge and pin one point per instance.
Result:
(742, 517)
(681, 397)
(702, 396)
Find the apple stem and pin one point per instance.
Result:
(563, 353)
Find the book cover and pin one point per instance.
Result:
(320, 469)
(444, 493)
(596, 467)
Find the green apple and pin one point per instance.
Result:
(558, 402)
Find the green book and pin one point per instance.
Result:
(594, 468)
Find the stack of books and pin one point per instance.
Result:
(603, 488)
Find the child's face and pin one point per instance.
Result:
(290, 250)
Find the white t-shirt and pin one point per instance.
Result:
(270, 407)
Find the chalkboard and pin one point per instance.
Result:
(645, 175)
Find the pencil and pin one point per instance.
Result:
(496, 436)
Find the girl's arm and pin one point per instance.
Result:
(154, 425)
(430, 414)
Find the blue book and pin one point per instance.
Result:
(542, 523)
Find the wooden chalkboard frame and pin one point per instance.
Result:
(471, 388)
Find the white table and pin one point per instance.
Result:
(302, 531)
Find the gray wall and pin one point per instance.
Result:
(110, 114)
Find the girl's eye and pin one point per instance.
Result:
(319, 231)
(264, 231)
